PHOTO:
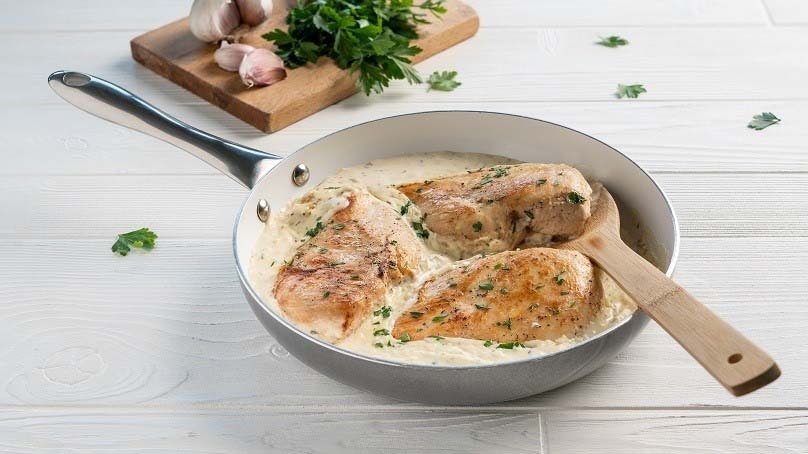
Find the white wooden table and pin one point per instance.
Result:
(159, 351)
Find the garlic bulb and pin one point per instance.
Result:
(229, 56)
(261, 67)
(253, 12)
(212, 20)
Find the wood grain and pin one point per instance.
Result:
(174, 53)
(735, 361)
(277, 430)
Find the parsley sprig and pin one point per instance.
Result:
(369, 37)
(141, 239)
(629, 91)
(763, 121)
(443, 81)
(612, 41)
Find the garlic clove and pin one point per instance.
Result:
(212, 20)
(229, 56)
(261, 67)
(253, 12)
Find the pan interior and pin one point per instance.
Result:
(642, 202)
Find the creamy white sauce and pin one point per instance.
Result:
(285, 232)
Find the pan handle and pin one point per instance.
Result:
(111, 102)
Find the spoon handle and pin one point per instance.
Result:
(731, 358)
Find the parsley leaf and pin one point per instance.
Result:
(416, 314)
(612, 41)
(443, 81)
(763, 121)
(368, 37)
(477, 226)
(488, 343)
(629, 91)
(405, 208)
(439, 318)
(511, 345)
(381, 332)
(141, 238)
(384, 311)
(574, 198)
(486, 285)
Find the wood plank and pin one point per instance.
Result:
(662, 137)
(618, 13)
(96, 15)
(537, 65)
(85, 327)
(174, 53)
(204, 206)
(787, 12)
(246, 431)
(677, 431)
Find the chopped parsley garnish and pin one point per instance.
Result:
(487, 285)
(381, 332)
(506, 323)
(312, 232)
(420, 231)
(612, 41)
(437, 338)
(511, 345)
(504, 291)
(558, 279)
(322, 250)
(326, 294)
(481, 307)
(439, 318)
(500, 172)
(488, 343)
(541, 181)
(763, 121)
(384, 311)
(416, 314)
(575, 198)
(443, 81)
(629, 91)
(405, 338)
(405, 208)
(529, 214)
(379, 345)
(452, 284)
(338, 226)
(477, 226)
(333, 264)
(141, 239)
(290, 262)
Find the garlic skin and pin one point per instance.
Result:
(261, 67)
(253, 12)
(212, 20)
(229, 56)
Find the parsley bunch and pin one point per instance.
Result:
(371, 37)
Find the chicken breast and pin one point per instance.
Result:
(536, 293)
(498, 208)
(337, 276)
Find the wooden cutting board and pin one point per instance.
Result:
(174, 53)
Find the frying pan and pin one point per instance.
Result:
(273, 182)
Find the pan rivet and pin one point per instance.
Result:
(300, 175)
(263, 210)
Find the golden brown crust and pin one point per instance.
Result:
(494, 209)
(536, 293)
(337, 276)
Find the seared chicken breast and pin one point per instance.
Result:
(536, 293)
(498, 208)
(333, 281)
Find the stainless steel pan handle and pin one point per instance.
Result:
(111, 102)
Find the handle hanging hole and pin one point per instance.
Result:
(734, 358)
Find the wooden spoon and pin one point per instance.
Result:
(732, 359)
